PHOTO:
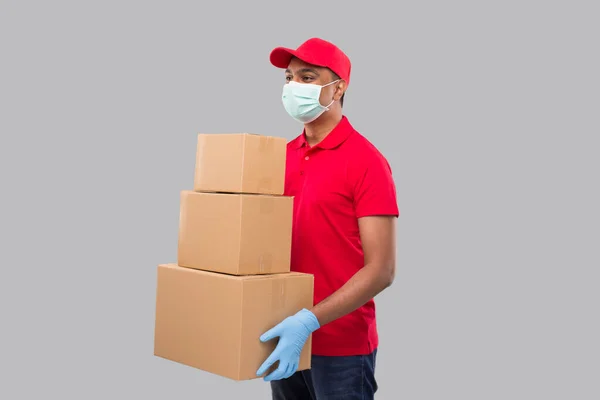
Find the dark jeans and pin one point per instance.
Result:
(330, 378)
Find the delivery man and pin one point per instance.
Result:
(344, 226)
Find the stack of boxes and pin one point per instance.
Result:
(232, 280)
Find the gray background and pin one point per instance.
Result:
(487, 112)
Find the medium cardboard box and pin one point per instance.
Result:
(213, 321)
(240, 163)
(239, 234)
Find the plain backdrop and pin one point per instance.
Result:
(488, 113)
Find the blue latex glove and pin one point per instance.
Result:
(293, 333)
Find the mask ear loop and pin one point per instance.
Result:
(332, 101)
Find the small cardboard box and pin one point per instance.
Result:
(239, 234)
(213, 321)
(240, 163)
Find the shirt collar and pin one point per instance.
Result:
(337, 136)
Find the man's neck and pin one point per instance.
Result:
(317, 130)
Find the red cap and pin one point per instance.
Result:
(315, 51)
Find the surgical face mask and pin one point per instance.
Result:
(301, 101)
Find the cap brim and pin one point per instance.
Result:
(281, 56)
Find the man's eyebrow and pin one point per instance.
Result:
(304, 70)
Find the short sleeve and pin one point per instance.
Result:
(374, 188)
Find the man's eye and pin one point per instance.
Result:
(307, 78)
(287, 78)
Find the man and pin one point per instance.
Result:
(345, 213)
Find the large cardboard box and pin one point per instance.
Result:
(213, 321)
(239, 234)
(240, 163)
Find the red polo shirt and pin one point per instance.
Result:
(334, 183)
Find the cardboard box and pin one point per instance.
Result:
(240, 163)
(239, 234)
(213, 321)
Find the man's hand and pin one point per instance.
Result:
(293, 333)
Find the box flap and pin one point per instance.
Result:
(237, 277)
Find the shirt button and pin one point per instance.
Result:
(306, 158)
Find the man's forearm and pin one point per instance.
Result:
(362, 287)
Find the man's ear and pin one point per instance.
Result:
(340, 89)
